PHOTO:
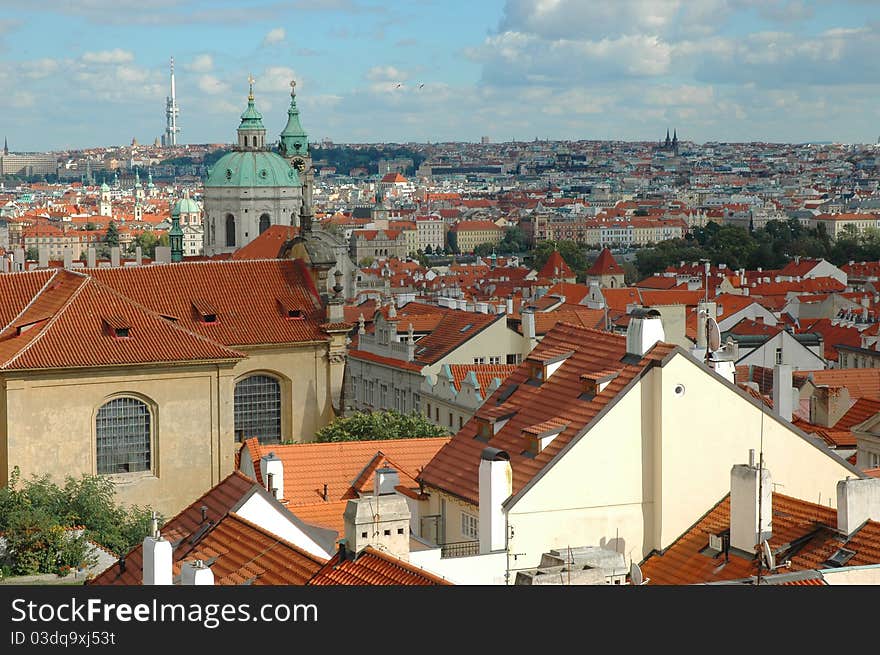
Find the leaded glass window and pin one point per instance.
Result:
(123, 429)
(258, 409)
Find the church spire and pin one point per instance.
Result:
(5, 146)
(175, 235)
(294, 140)
(251, 131)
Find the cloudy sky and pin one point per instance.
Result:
(81, 73)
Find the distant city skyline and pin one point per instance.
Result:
(95, 73)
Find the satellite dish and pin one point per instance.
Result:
(768, 555)
(713, 334)
(635, 574)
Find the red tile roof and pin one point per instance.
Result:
(455, 468)
(484, 373)
(573, 293)
(269, 244)
(339, 465)
(605, 264)
(373, 567)
(805, 532)
(245, 294)
(454, 329)
(555, 267)
(75, 321)
(860, 382)
(832, 335)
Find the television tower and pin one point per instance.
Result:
(171, 112)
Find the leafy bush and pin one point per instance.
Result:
(362, 426)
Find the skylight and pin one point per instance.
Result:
(840, 557)
(466, 327)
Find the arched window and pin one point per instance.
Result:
(230, 230)
(257, 406)
(124, 434)
(264, 223)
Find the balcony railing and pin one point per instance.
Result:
(460, 549)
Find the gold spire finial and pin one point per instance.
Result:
(251, 81)
(293, 87)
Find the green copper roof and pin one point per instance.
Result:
(186, 205)
(251, 119)
(294, 139)
(252, 168)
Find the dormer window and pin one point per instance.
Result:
(290, 309)
(593, 384)
(542, 366)
(204, 311)
(117, 327)
(539, 436)
(491, 423)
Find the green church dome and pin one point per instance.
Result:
(186, 205)
(252, 168)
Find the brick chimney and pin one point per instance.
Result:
(828, 404)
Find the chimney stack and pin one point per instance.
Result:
(528, 329)
(746, 480)
(857, 501)
(379, 521)
(782, 391)
(196, 573)
(91, 257)
(828, 404)
(114, 256)
(645, 329)
(496, 486)
(44, 256)
(272, 470)
(138, 256)
(157, 557)
(68, 258)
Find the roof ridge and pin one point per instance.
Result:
(391, 559)
(55, 317)
(32, 300)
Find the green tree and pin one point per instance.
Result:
(389, 424)
(34, 516)
(111, 238)
(484, 249)
(90, 226)
(573, 253)
(514, 241)
(32, 254)
(365, 261)
(148, 241)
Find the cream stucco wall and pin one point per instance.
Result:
(50, 428)
(653, 464)
(303, 372)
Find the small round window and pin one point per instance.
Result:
(264, 173)
(679, 390)
(228, 173)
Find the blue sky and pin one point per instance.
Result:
(95, 72)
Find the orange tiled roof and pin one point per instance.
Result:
(75, 321)
(860, 382)
(454, 328)
(455, 468)
(555, 267)
(268, 245)
(245, 293)
(605, 264)
(373, 567)
(484, 373)
(219, 500)
(812, 527)
(340, 465)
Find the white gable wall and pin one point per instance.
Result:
(268, 516)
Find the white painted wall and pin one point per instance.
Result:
(477, 570)
(270, 517)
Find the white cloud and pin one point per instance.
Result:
(386, 74)
(116, 56)
(276, 79)
(39, 68)
(200, 64)
(22, 99)
(211, 85)
(276, 35)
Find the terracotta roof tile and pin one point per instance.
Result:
(485, 373)
(269, 244)
(555, 267)
(455, 467)
(339, 465)
(244, 294)
(605, 264)
(373, 567)
(812, 527)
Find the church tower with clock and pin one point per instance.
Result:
(252, 187)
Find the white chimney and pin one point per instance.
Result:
(68, 258)
(379, 521)
(114, 256)
(528, 327)
(496, 486)
(91, 257)
(857, 501)
(138, 256)
(196, 572)
(385, 481)
(157, 557)
(782, 395)
(510, 306)
(745, 480)
(645, 329)
(271, 465)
